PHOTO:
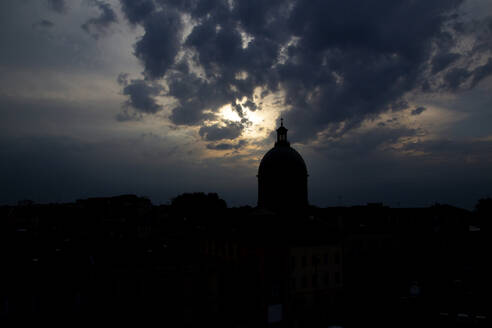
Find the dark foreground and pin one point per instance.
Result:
(196, 263)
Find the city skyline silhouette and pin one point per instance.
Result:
(245, 163)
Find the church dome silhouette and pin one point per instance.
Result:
(282, 176)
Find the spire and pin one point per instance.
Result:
(282, 135)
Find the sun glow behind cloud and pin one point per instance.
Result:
(257, 126)
(227, 113)
(257, 123)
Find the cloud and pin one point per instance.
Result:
(137, 10)
(122, 79)
(44, 23)
(482, 72)
(471, 151)
(364, 144)
(159, 45)
(98, 26)
(251, 105)
(226, 145)
(141, 96)
(58, 5)
(417, 111)
(215, 132)
(455, 78)
(337, 63)
(443, 60)
(127, 115)
(195, 95)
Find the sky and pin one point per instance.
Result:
(387, 101)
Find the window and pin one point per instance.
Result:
(293, 283)
(326, 258)
(337, 278)
(293, 261)
(304, 261)
(315, 260)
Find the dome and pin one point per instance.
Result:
(282, 158)
(282, 176)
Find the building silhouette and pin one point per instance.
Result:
(282, 177)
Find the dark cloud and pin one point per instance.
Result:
(364, 144)
(159, 45)
(141, 96)
(464, 78)
(122, 79)
(482, 72)
(456, 78)
(137, 10)
(127, 115)
(398, 105)
(455, 71)
(59, 6)
(195, 95)
(44, 23)
(339, 63)
(98, 26)
(417, 111)
(450, 149)
(238, 109)
(215, 132)
(464, 153)
(443, 60)
(251, 105)
(226, 145)
(483, 29)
